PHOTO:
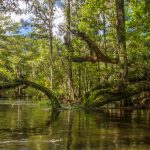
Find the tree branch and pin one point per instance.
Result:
(100, 56)
(93, 59)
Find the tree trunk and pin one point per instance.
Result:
(70, 75)
(101, 96)
(51, 40)
(54, 101)
(121, 38)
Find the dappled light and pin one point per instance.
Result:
(74, 55)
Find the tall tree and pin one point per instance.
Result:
(51, 15)
(68, 42)
(121, 38)
(44, 17)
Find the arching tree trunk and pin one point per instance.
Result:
(101, 96)
(54, 100)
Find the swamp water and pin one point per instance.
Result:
(24, 125)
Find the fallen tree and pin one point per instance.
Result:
(110, 92)
(54, 100)
(101, 96)
(96, 97)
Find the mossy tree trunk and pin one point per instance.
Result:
(101, 96)
(54, 100)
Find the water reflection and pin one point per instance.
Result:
(26, 126)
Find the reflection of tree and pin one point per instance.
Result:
(70, 126)
(54, 116)
(104, 129)
(20, 121)
(27, 125)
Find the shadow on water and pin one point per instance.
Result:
(27, 126)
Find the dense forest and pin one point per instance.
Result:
(99, 55)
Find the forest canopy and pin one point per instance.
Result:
(97, 54)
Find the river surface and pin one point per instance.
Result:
(24, 125)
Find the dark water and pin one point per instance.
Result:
(26, 126)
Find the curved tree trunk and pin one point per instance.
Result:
(97, 97)
(54, 101)
(101, 97)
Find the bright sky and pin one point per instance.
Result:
(16, 17)
(58, 15)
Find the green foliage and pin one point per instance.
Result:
(29, 56)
